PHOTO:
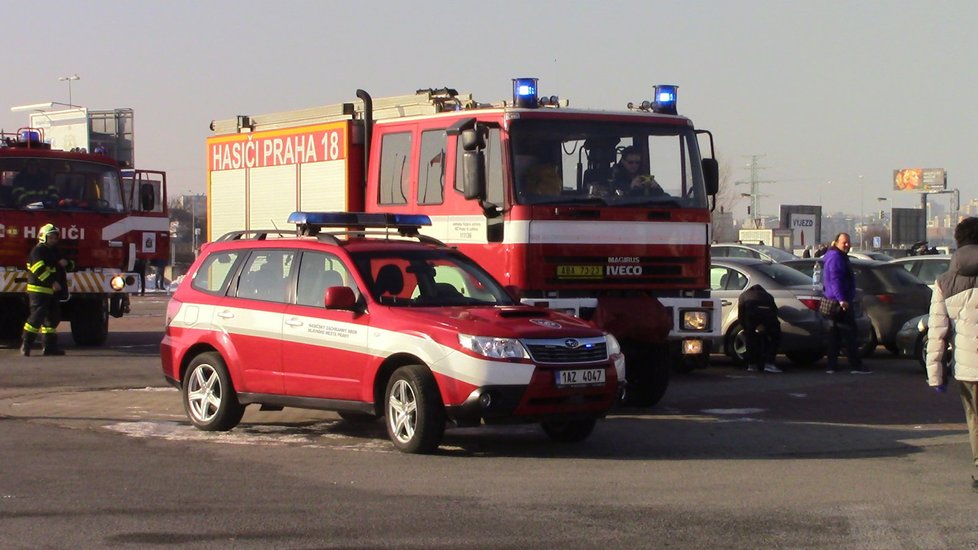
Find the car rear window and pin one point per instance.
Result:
(896, 277)
(215, 271)
(784, 275)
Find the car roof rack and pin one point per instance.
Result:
(351, 224)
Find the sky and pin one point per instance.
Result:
(830, 95)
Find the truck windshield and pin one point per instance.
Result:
(58, 184)
(618, 164)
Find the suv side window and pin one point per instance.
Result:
(265, 276)
(317, 272)
(215, 272)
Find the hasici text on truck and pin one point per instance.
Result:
(528, 187)
(109, 218)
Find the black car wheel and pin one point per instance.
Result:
(415, 414)
(208, 395)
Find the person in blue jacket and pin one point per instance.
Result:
(839, 284)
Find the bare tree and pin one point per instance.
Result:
(727, 199)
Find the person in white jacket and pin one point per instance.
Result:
(954, 319)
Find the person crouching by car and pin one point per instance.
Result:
(46, 281)
(758, 314)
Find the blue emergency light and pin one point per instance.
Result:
(664, 99)
(29, 136)
(525, 92)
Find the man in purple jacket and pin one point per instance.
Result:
(839, 284)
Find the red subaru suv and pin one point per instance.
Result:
(360, 314)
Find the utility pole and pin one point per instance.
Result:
(755, 192)
(69, 79)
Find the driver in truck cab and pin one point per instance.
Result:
(627, 177)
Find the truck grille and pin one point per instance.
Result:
(568, 350)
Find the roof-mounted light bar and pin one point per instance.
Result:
(366, 220)
(664, 100)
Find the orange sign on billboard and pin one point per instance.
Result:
(920, 179)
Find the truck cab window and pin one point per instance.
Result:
(395, 168)
(431, 168)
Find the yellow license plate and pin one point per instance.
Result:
(580, 271)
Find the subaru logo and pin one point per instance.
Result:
(572, 343)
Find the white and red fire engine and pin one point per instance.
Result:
(108, 221)
(526, 187)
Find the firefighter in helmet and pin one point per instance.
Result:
(46, 282)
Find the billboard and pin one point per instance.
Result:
(923, 180)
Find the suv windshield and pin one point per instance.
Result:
(51, 183)
(428, 278)
(619, 164)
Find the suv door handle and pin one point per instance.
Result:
(225, 314)
(293, 322)
(725, 302)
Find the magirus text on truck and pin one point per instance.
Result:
(108, 219)
(539, 193)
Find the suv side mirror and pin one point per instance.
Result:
(340, 297)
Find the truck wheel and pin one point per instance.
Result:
(647, 373)
(90, 321)
(568, 431)
(415, 414)
(208, 395)
(13, 315)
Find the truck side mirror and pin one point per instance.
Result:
(473, 175)
(147, 197)
(711, 176)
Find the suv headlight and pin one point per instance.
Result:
(614, 348)
(696, 320)
(494, 348)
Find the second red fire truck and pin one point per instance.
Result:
(525, 186)
(110, 222)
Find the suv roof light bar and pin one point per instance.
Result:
(365, 220)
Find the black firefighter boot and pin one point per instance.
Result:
(26, 343)
(50, 344)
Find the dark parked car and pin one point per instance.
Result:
(891, 297)
(803, 330)
(912, 341)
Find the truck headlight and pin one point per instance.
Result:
(614, 348)
(495, 348)
(118, 283)
(696, 320)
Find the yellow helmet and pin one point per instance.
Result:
(47, 229)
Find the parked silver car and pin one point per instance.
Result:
(743, 250)
(927, 268)
(803, 330)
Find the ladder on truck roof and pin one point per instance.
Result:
(423, 102)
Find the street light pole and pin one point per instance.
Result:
(68, 79)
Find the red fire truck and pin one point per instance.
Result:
(527, 187)
(108, 220)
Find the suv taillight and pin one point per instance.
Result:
(172, 307)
